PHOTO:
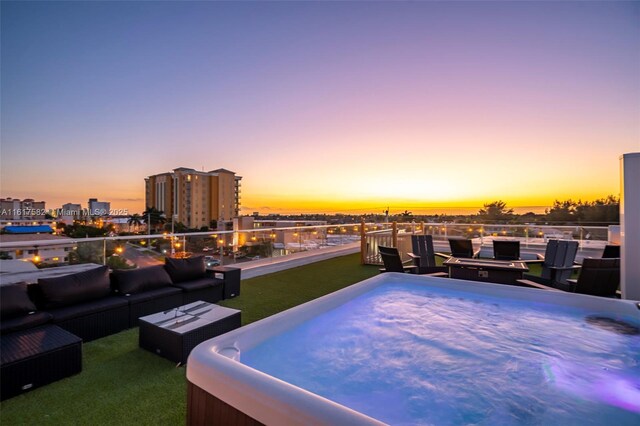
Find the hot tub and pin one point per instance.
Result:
(406, 349)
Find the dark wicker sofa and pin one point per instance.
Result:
(83, 303)
(17, 310)
(190, 275)
(147, 290)
(42, 324)
(94, 303)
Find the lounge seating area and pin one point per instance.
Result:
(597, 277)
(91, 305)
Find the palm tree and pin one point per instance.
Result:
(135, 220)
(406, 216)
(153, 218)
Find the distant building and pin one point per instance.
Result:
(4, 223)
(98, 208)
(30, 251)
(195, 198)
(27, 209)
(121, 224)
(287, 223)
(70, 212)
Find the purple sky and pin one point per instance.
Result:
(321, 106)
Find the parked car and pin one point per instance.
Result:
(211, 261)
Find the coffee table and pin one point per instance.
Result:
(487, 270)
(172, 334)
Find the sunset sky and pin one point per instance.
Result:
(329, 107)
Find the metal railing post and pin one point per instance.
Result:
(394, 234)
(363, 242)
(104, 251)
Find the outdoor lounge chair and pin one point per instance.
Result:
(611, 251)
(557, 263)
(424, 256)
(598, 277)
(506, 250)
(392, 261)
(462, 248)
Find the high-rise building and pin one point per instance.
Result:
(195, 198)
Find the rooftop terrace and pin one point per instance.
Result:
(123, 384)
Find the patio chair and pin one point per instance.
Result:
(598, 277)
(557, 262)
(611, 251)
(392, 261)
(506, 250)
(424, 256)
(463, 248)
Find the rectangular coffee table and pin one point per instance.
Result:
(174, 333)
(487, 270)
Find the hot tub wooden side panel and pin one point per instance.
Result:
(205, 409)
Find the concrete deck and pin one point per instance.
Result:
(259, 267)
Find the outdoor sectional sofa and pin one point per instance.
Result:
(41, 321)
(94, 303)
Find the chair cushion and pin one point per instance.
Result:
(199, 284)
(14, 301)
(75, 288)
(140, 280)
(188, 269)
(155, 293)
(24, 322)
(88, 308)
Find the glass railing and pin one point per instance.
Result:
(219, 248)
(269, 244)
(533, 238)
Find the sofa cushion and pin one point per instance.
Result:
(141, 279)
(88, 308)
(75, 288)
(155, 293)
(14, 301)
(199, 284)
(188, 269)
(24, 322)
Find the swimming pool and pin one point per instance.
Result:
(403, 349)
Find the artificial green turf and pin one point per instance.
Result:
(123, 384)
(264, 296)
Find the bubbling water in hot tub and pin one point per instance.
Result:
(408, 354)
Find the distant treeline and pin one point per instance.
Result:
(601, 212)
